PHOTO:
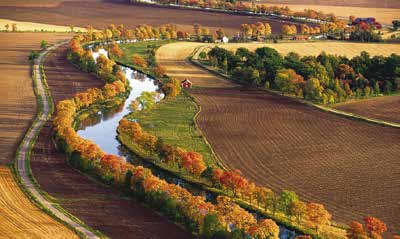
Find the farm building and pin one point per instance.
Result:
(186, 84)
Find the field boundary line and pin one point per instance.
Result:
(326, 109)
(21, 164)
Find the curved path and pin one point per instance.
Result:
(350, 166)
(26, 147)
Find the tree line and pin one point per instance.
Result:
(223, 217)
(323, 79)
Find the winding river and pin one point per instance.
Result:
(101, 129)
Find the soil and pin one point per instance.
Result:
(101, 207)
(382, 108)
(102, 13)
(345, 3)
(350, 166)
(18, 103)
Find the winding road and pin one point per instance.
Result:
(27, 144)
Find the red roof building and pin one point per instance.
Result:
(186, 83)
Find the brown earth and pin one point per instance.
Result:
(100, 14)
(101, 207)
(350, 166)
(345, 3)
(382, 108)
(20, 218)
(18, 103)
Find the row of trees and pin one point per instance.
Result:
(143, 32)
(256, 8)
(324, 78)
(224, 217)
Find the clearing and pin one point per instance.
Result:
(283, 144)
(20, 218)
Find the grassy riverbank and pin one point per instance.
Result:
(172, 120)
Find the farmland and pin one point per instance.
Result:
(271, 140)
(383, 14)
(347, 49)
(99, 206)
(18, 108)
(103, 13)
(20, 218)
(383, 108)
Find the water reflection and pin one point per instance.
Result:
(101, 128)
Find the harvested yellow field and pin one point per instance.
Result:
(20, 218)
(33, 26)
(382, 15)
(348, 49)
(173, 58)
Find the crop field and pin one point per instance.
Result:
(18, 104)
(20, 218)
(173, 58)
(99, 206)
(383, 108)
(32, 26)
(347, 49)
(103, 13)
(272, 141)
(382, 14)
(344, 3)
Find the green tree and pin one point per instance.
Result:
(286, 198)
(43, 44)
(367, 91)
(377, 90)
(313, 90)
(210, 226)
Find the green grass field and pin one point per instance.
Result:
(140, 48)
(172, 121)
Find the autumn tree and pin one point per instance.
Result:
(7, 26)
(115, 50)
(139, 61)
(265, 228)
(14, 27)
(233, 180)
(374, 226)
(317, 215)
(193, 162)
(356, 231)
(288, 81)
(298, 209)
(72, 27)
(159, 71)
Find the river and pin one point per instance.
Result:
(101, 128)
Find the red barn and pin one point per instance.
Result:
(186, 84)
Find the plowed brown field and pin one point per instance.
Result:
(350, 166)
(102, 13)
(383, 108)
(101, 207)
(20, 218)
(18, 103)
